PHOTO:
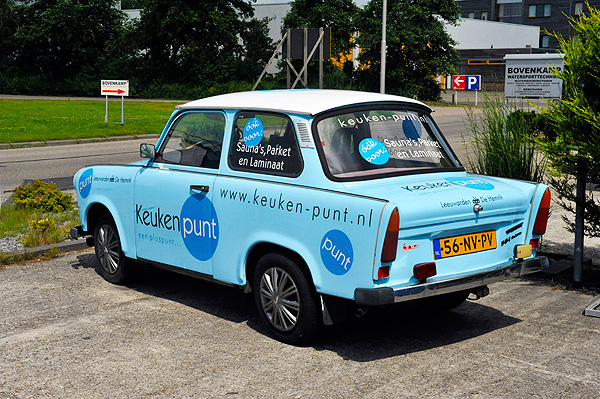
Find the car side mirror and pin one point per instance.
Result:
(147, 150)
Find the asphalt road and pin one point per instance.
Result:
(59, 163)
(66, 333)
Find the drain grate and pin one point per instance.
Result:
(593, 308)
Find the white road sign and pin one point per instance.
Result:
(114, 88)
(531, 76)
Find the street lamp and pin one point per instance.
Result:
(383, 48)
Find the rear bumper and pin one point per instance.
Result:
(390, 295)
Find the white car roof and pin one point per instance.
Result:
(299, 101)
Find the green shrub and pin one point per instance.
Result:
(501, 142)
(42, 197)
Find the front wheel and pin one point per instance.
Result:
(288, 304)
(114, 266)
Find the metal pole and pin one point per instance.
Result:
(321, 60)
(106, 114)
(289, 55)
(122, 110)
(579, 220)
(383, 47)
(305, 55)
(306, 64)
(269, 63)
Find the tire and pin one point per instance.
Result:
(114, 266)
(444, 302)
(287, 303)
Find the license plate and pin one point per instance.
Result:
(464, 244)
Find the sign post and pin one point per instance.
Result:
(466, 82)
(115, 88)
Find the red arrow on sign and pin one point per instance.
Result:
(458, 82)
(113, 91)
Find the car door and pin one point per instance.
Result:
(175, 221)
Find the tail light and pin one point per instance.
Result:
(541, 220)
(390, 244)
(422, 271)
(383, 272)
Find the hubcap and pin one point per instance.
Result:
(279, 298)
(108, 249)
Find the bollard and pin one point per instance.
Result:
(579, 220)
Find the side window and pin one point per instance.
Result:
(195, 139)
(265, 143)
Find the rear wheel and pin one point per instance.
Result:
(444, 302)
(287, 303)
(114, 266)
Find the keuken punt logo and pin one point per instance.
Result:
(85, 183)
(477, 184)
(337, 252)
(199, 227)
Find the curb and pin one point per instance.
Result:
(8, 146)
(62, 247)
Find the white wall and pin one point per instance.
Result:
(473, 34)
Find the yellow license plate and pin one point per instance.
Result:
(464, 244)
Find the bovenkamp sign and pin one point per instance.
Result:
(114, 87)
(531, 76)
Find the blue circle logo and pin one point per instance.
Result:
(477, 184)
(85, 183)
(336, 252)
(373, 151)
(253, 132)
(199, 227)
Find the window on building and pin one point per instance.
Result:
(532, 10)
(510, 12)
(471, 15)
(545, 41)
(578, 8)
(484, 15)
(547, 10)
(540, 10)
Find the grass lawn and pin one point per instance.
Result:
(44, 120)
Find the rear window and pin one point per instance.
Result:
(367, 143)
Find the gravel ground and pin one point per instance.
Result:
(66, 333)
(10, 244)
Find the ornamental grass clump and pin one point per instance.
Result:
(501, 142)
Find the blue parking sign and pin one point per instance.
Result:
(473, 82)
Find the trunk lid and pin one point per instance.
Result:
(452, 219)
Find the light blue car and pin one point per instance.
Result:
(313, 200)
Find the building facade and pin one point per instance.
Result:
(549, 15)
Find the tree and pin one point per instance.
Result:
(258, 47)
(201, 42)
(339, 15)
(574, 147)
(60, 39)
(418, 46)
(8, 27)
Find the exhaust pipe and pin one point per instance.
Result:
(480, 292)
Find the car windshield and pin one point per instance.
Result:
(377, 142)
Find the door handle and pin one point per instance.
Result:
(204, 189)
